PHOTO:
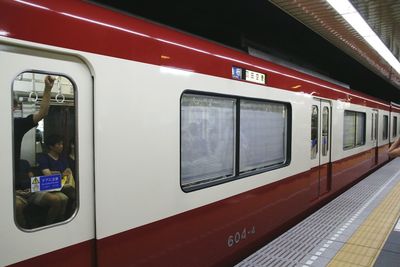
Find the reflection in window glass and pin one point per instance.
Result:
(314, 132)
(372, 126)
(376, 126)
(262, 134)
(325, 131)
(385, 127)
(353, 129)
(349, 130)
(44, 155)
(360, 122)
(398, 128)
(394, 129)
(207, 138)
(214, 149)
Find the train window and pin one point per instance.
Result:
(215, 149)
(353, 129)
(208, 126)
(376, 126)
(385, 127)
(44, 151)
(314, 132)
(372, 127)
(325, 130)
(394, 130)
(360, 129)
(398, 128)
(349, 130)
(262, 134)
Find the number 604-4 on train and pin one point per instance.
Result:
(181, 152)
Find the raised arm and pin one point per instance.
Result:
(394, 149)
(44, 105)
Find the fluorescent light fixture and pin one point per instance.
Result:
(350, 14)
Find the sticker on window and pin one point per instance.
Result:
(46, 183)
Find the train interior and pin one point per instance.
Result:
(28, 88)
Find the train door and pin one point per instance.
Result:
(47, 211)
(374, 136)
(320, 147)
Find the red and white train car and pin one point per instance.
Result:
(187, 153)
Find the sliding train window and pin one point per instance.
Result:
(225, 138)
(385, 129)
(372, 127)
(45, 175)
(314, 131)
(353, 129)
(208, 126)
(262, 134)
(325, 131)
(394, 127)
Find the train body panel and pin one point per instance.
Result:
(137, 89)
(160, 170)
(81, 227)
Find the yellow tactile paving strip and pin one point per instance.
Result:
(364, 246)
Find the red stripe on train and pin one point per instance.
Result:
(78, 255)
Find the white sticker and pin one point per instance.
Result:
(256, 77)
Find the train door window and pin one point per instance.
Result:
(262, 134)
(372, 127)
(44, 152)
(208, 126)
(394, 129)
(376, 126)
(353, 129)
(349, 130)
(314, 131)
(398, 128)
(325, 131)
(385, 127)
(360, 129)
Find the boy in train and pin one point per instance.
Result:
(56, 162)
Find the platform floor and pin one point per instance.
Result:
(359, 228)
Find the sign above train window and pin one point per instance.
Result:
(248, 75)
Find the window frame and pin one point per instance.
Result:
(394, 126)
(237, 174)
(325, 149)
(355, 115)
(76, 141)
(315, 107)
(372, 127)
(385, 129)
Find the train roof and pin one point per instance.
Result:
(87, 27)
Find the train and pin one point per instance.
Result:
(186, 152)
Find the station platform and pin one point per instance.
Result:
(360, 227)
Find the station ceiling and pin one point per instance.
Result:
(287, 30)
(382, 16)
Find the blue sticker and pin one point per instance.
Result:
(237, 73)
(46, 183)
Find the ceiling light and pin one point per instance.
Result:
(350, 14)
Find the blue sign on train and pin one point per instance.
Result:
(46, 183)
(237, 73)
